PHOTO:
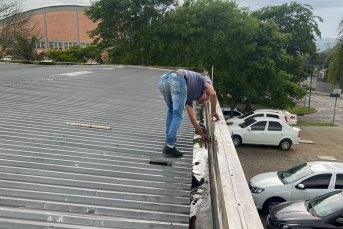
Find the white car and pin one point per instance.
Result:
(290, 118)
(301, 182)
(265, 131)
(227, 113)
(255, 114)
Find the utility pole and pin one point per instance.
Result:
(309, 98)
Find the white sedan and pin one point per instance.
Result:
(290, 118)
(255, 114)
(301, 182)
(265, 131)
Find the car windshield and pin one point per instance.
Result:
(293, 174)
(326, 204)
(247, 123)
(246, 115)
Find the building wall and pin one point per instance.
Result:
(59, 27)
(85, 25)
(36, 23)
(325, 87)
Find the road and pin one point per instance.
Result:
(325, 109)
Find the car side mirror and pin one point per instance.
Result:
(339, 221)
(249, 128)
(300, 186)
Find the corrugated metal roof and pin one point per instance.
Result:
(57, 176)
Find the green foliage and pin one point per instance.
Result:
(296, 19)
(24, 49)
(315, 124)
(301, 110)
(77, 54)
(255, 58)
(127, 26)
(206, 33)
(335, 70)
(336, 65)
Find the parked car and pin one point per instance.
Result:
(265, 131)
(255, 114)
(324, 211)
(291, 119)
(301, 182)
(227, 113)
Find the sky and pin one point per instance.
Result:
(331, 11)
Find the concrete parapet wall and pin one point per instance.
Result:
(234, 204)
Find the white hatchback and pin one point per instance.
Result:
(265, 131)
(301, 182)
(256, 114)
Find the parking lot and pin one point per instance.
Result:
(328, 141)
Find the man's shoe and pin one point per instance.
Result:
(172, 151)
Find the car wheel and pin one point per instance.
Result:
(285, 144)
(272, 203)
(237, 140)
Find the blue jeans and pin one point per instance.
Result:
(174, 90)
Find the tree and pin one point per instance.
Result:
(248, 55)
(12, 23)
(335, 71)
(128, 27)
(77, 54)
(298, 20)
(24, 49)
(269, 83)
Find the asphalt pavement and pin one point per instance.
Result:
(325, 106)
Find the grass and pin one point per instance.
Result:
(315, 124)
(301, 110)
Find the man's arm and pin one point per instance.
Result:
(213, 99)
(195, 123)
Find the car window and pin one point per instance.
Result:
(274, 126)
(254, 116)
(296, 173)
(272, 116)
(235, 113)
(226, 112)
(326, 204)
(247, 123)
(259, 126)
(246, 115)
(339, 181)
(321, 181)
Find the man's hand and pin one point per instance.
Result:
(205, 138)
(215, 114)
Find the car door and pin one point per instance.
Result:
(273, 133)
(314, 186)
(255, 133)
